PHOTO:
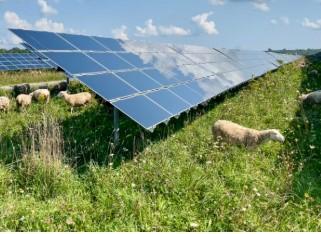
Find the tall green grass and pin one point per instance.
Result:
(32, 76)
(61, 172)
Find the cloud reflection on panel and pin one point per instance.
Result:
(170, 64)
(209, 87)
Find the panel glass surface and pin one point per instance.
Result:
(135, 60)
(110, 61)
(143, 111)
(139, 80)
(43, 40)
(160, 78)
(208, 87)
(22, 61)
(169, 101)
(83, 42)
(188, 94)
(110, 44)
(107, 86)
(74, 62)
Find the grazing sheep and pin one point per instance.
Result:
(41, 95)
(23, 100)
(313, 98)
(250, 138)
(75, 100)
(21, 89)
(4, 104)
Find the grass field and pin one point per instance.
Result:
(14, 77)
(59, 171)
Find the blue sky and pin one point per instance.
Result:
(244, 24)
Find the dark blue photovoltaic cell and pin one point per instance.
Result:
(189, 72)
(213, 57)
(107, 86)
(221, 67)
(43, 40)
(156, 75)
(134, 60)
(207, 87)
(109, 43)
(143, 109)
(139, 80)
(74, 62)
(170, 101)
(22, 61)
(110, 61)
(83, 42)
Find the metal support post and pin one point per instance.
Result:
(116, 126)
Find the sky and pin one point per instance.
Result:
(241, 24)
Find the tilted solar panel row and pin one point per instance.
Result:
(150, 83)
(22, 61)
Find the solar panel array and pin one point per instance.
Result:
(21, 61)
(150, 83)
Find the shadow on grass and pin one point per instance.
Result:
(304, 138)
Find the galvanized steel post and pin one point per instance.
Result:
(116, 126)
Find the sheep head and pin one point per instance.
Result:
(303, 97)
(276, 135)
(62, 93)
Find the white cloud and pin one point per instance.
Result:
(173, 31)
(274, 21)
(311, 24)
(49, 25)
(217, 2)
(207, 26)
(261, 5)
(14, 40)
(45, 8)
(13, 20)
(149, 30)
(285, 20)
(4, 43)
(120, 33)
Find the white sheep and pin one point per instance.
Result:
(237, 134)
(75, 100)
(23, 100)
(4, 104)
(313, 98)
(41, 95)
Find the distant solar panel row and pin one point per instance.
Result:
(22, 61)
(150, 83)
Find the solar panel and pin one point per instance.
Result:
(150, 83)
(22, 61)
(283, 58)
